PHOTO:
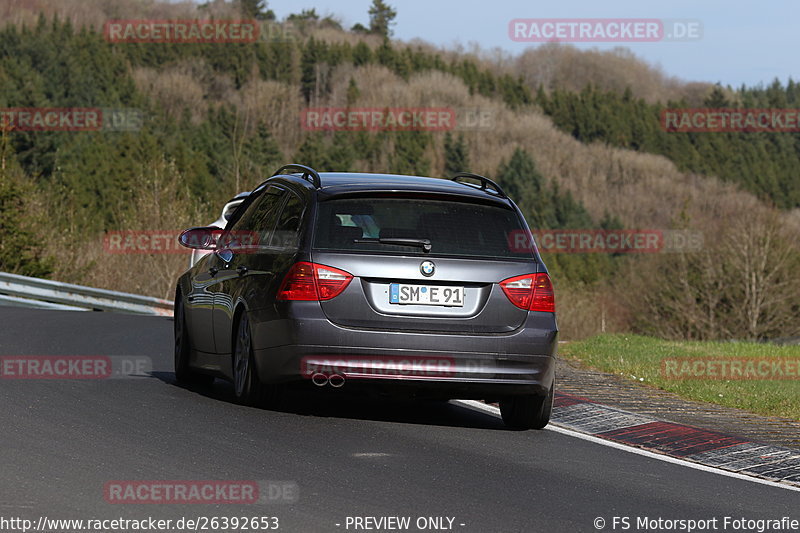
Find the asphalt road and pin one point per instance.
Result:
(62, 440)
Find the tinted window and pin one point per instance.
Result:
(287, 229)
(260, 218)
(453, 227)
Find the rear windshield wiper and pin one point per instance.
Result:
(425, 244)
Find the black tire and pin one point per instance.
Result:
(528, 411)
(247, 387)
(183, 373)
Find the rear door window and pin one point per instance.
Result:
(255, 226)
(287, 229)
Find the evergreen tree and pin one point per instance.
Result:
(408, 156)
(21, 250)
(333, 153)
(353, 92)
(255, 9)
(312, 63)
(362, 54)
(306, 15)
(381, 18)
(524, 185)
(262, 153)
(716, 99)
(456, 157)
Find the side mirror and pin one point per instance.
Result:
(200, 238)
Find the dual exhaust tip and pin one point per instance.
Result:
(334, 380)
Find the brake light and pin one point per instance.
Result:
(310, 281)
(533, 292)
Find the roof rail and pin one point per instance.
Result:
(308, 173)
(485, 183)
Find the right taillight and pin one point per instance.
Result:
(310, 281)
(532, 292)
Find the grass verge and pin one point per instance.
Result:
(733, 374)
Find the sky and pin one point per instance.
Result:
(742, 42)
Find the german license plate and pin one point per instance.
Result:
(403, 294)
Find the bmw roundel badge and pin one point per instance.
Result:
(427, 268)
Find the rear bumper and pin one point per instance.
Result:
(433, 364)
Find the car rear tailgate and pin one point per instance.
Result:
(365, 303)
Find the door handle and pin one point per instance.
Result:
(242, 270)
(213, 271)
(190, 298)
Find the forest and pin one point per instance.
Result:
(191, 124)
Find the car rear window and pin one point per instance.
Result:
(454, 228)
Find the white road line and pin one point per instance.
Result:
(480, 406)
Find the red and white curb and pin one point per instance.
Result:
(712, 449)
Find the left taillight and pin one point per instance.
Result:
(532, 292)
(310, 281)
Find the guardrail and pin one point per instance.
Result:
(24, 291)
